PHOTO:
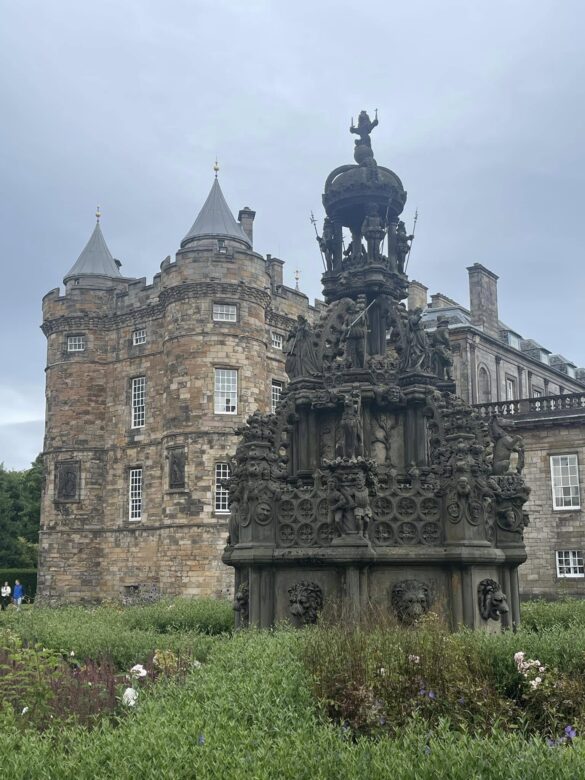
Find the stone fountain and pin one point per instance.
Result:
(373, 484)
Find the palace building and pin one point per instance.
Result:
(146, 385)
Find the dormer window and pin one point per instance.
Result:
(571, 372)
(513, 340)
(543, 357)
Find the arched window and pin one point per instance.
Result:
(484, 385)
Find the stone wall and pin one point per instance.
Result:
(550, 530)
(89, 549)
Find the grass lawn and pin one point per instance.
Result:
(321, 703)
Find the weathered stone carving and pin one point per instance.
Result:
(301, 355)
(176, 468)
(491, 599)
(356, 334)
(305, 602)
(68, 474)
(351, 426)
(242, 603)
(373, 231)
(363, 154)
(442, 360)
(505, 445)
(411, 341)
(411, 599)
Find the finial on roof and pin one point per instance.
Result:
(216, 167)
(297, 277)
(98, 213)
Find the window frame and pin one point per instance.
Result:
(278, 337)
(512, 381)
(71, 338)
(221, 470)
(217, 394)
(135, 341)
(133, 498)
(275, 384)
(573, 556)
(225, 304)
(137, 410)
(572, 508)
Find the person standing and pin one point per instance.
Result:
(5, 592)
(18, 594)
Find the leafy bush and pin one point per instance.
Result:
(372, 680)
(249, 712)
(100, 633)
(27, 577)
(539, 615)
(210, 616)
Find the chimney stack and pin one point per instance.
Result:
(483, 299)
(274, 268)
(246, 220)
(417, 295)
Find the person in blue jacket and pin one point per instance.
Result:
(17, 594)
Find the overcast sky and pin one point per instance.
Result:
(127, 103)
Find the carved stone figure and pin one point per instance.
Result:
(301, 356)
(504, 445)
(442, 359)
(373, 231)
(327, 244)
(402, 244)
(415, 345)
(491, 599)
(242, 603)
(411, 599)
(361, 501)
(357, 333)
(68, 481)
(341, 507)
(351, 426)
(305, 602)
(176, 469)
(364, 128)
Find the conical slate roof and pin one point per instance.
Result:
(216, 219)
(96, 259)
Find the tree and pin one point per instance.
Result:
(20, 514)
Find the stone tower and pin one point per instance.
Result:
(145, 384)
(373, 483)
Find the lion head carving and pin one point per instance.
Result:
(241, 603)
(492, 600)
(411, 599)
(305, 602)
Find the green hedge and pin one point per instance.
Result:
(27, 577)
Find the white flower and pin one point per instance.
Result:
(24, 711)
(518, 658)
(197, 664)
(138, 671)
(72, 653)
(414, 659)
(382, 672)
(536, 682)
(129, 697)
(541, 669)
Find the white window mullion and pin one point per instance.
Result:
(222, 471)
(135, 495)
(226, 391)
(138, 401)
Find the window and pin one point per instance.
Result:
(510, 389)
(226, 391)
(225, 312)
(222, 471)
(75, 343)
(543, 357)
(513, 340)
(138, 397)
(485, 385)
(536, 393)
(139, 337)
(571, 371)
(276, 340)
(276, 392)
(221, 247)
(565, 482)
(570, 563)
(135, 495)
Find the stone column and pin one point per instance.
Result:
(498, 378)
